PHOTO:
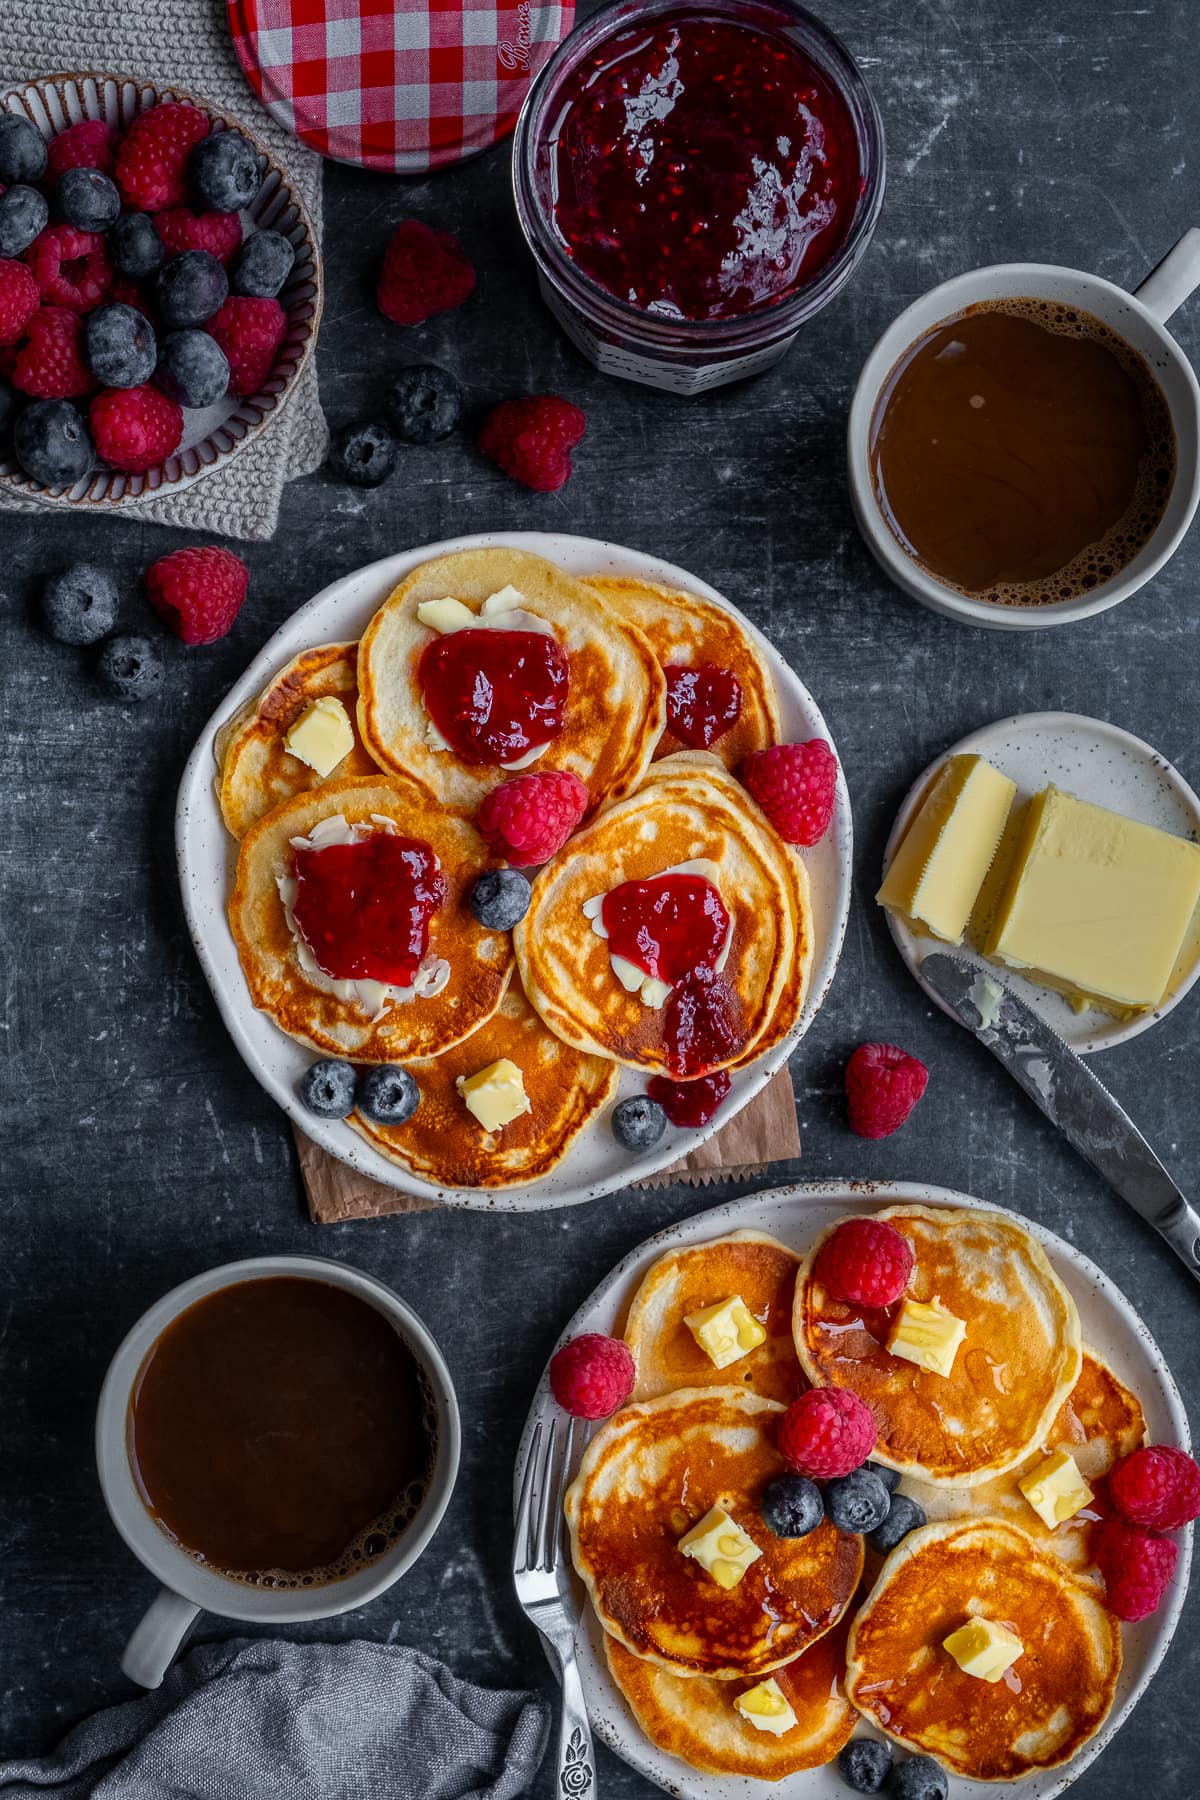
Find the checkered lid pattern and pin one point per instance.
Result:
(394, 85)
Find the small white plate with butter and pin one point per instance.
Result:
(1094, 761)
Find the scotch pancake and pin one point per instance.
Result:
(695, 1719)
(1019, 1361)
(444, 1144)
(1054, 1697)
(331, 1017)
(685, 631)
(650, 1474)
(615, 703)
(751, 1265)
(255, 769)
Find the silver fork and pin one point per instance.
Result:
(537, 1558)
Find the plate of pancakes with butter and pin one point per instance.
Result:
(331, 843)
(713, 1670)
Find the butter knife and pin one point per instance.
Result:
(1062, 1085)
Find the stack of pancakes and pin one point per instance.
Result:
(849, 1652)
(544, 996)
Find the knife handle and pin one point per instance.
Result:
(1181, 1228)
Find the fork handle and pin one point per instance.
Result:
(576, 1762)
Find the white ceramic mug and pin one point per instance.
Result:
(188, 1587)
(1139, 319)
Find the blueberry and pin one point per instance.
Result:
(130, 668)
(22, 150)
(192, 368)
(10, 405)
(327, 1088)
(52, 443)
(857, 1502)
(119, 346)
(388, 1094)
(262, 265)
(864, 1764)
(918, 1778)
(79, 605)
(904, 1515)
(791, 1506)
(424, 403)
(23, 214)
(362, 454)
(190, 288)
(135, 247)
(500, 899)
(224, 171)
(87, 199)
(889, 1477)
(638, 1123)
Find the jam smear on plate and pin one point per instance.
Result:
(364, 909)
(690, 1103)
(495, 695)
(702, 1024)
(703, 702)
(667, 925)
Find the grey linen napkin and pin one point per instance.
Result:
(250, 1718)
(184, 43)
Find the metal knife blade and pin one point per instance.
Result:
(1062, 1085)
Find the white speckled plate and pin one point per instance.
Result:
(1098, 762)
(206, 854)
(796, 1215)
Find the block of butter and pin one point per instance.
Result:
(983, 1648)
(721, 1547)
(725, 1332)
(1096, 904)
(322, 736)
(767, 1707)
(495, 1095)
(1055, 1489)
(927, 1335)
(935, 876)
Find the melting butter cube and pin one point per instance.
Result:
(767, 1707)
(496, 1095)
(721, 1548)
(726, 1331)
(505, 599)
(322, 736)
(927, 1335)
(1055, 1489)
(445, 615)
(983, 1648)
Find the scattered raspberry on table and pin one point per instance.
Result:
(531, 439)
(883, 1084)
(826, 1433)
(198, 591)
(424, 272)
(592, 1375)
(865, 1261)
(795, 784)
(528, 818)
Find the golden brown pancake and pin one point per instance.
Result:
(649, 1475)
(757, 1268)
(1020, 1358)
(1055, 1696)
(445, 1144)
(695, 1718)
(616, 701)
(255, 768)
(306, 1004)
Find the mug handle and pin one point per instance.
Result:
(156, 1638)
(1170, 282)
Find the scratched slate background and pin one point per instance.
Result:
(137, 1150)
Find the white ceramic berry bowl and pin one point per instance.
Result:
(212, 435)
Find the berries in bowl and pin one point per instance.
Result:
(145, 222)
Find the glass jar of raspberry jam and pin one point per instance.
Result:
(695, 181)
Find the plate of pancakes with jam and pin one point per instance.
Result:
(951, 1594)
(476, 880)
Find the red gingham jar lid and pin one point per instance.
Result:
(392, 85)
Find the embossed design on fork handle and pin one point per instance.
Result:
(576, 1763)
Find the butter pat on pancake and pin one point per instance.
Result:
(1037, 1715)
(648, 1477)
(1020, 1358)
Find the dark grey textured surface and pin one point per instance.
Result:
(137, 1148)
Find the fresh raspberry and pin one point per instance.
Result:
(1158, 1488)
(49, 359)
(532, 439)
(135, 428)
(424, 272)
(152, 163)
(795, 785)
(130, 293)
(70, 267)
(20, 298)
(865, 1261)
(527, 818)
(1137, 1568)
(89, 145)
(592, 1375)
(198, 591)
(182, 229)
(883, 1084)
(250, 333)
(826, 1433)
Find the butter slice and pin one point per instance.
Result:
(726, 1332)
(767, 1707)
(322, 736)
(721, 1548)
(927, 1335)
(936, 874)
(1055, 1489)
(1096, 903)
(446, 615)
(495, 1095)
(983, 1648)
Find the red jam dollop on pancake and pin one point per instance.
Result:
(364, 908)
(704, 701)
(667, 925)
(495, 695)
